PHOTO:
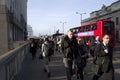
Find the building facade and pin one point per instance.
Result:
(30, 32)
(111, 12)
(13, 23)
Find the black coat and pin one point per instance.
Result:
(104, 60)
(93, 45)
(69, 47)
(33, 47)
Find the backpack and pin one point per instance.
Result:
(46, 50)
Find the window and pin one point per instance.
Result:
(94, 26)
(108, 26)
(75, 30)
(88, 28)
(117, 21)
(83, 29)
(80, 29)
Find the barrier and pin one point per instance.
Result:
(11, 62)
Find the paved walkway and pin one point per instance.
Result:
(33, 69)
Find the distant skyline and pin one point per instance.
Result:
(45, 15)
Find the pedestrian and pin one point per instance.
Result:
(51, 48)
(45, 52)
(59, 45)
(33, 48)
(82, 57)
(103, 53)
(51, 42)
(93, 45)
(69, 48)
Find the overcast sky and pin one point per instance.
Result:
(45, 15)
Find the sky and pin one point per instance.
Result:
(45, 16)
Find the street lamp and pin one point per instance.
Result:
(63, 25)
(80, 16)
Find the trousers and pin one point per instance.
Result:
(109, 74)
(68, 66)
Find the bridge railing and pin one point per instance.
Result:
(11, 62)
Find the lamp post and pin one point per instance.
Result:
(63, 23)
(80, 16)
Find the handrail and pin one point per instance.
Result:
(11, 62)
(10, 53)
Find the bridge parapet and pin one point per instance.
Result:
(11, 62)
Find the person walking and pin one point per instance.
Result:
(33, 48)
(45, 53)
(69, 48)
(103, 53)
(82, 57)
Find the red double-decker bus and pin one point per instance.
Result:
(98, 28)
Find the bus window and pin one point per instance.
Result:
(80, 29)
(83, 29)
(88, 28)
(108, 26)
(94, 26)
(75, 30)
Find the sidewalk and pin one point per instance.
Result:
(33, 69)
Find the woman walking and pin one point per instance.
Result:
(81, 58)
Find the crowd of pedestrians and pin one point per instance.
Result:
(75, 55)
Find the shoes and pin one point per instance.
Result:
(49, 74)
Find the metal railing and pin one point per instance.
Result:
(11, 62)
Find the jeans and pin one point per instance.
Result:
(69, 71)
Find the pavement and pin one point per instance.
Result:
(33, 69)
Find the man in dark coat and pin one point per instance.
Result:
(103, 53)
(69, 47)
(33, 48)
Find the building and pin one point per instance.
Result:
(111, 12)
(30, 31)
(13, 23)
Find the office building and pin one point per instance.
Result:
(13, 23)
